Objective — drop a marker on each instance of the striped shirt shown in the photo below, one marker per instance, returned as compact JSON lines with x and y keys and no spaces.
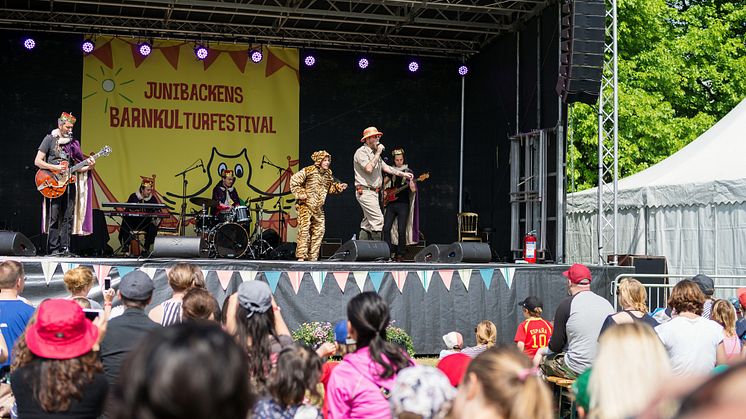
{"x":171,"y":312}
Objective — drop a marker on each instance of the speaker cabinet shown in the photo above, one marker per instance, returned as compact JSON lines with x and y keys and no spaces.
{"x":16,"y":244}
{"x":432,"y":253}
{"x":329,"y":247}
{"x":644,"y":264}
{"x":176,"y":247}
{"x":467,"y":252}
{"x":364,"y":251}
{"x":582,"y":41}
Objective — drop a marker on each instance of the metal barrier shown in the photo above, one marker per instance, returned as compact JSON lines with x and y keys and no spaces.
{"x":659,"y":293}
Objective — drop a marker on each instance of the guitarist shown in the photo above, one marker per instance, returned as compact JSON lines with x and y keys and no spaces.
{"x":400,"y":209}
{"x":71,"y":212}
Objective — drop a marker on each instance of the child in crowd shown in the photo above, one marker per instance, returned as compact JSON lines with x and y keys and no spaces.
{"x":486,"y":337}
{"x":724,"y":314}
{"x":297,"y":371}
{"x":454,"y":342}
{"x":421,"y":392}
{"x":534,"y":332}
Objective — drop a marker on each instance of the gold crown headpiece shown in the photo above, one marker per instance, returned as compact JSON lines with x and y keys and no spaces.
{"x":67,"y":117}
{"x":397,"y":152}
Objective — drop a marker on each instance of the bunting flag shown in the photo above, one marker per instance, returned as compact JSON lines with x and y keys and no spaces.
{"x":149,"y":271}
{"x":425,"y":278}
{"x":360,"y":277}
{"x":275,"y":63}
{"x":341,"y":278}
{"x":465,"y":275}
{"x":273,"y":278}
{"x":124,"y":270}
{"x":136,"y":56}
{"x":446,"y":275}
{"x":172,"y":55}
{"x":400,"y":277}
{"x":239,"y":59}
{"x":247,"y":275}
{"x":102,"y":271}
{"x":295,"y":277}
{"x":318,"y":278}
{"x":48,"y":267}
{"x":376,"y":278}
{"x":211,"y":57}
{"x":486,"y":275}
{"x":66,"y":266}
{"x":103,"y":54}
{"x":224,"y":277}
{"x":508,"y":275}
{"x":205,"y":272}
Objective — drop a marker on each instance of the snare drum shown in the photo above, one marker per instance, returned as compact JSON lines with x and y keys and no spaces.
{"x":241,"y":214}
{"x":229,"y":240}
{"x":225,"y":216}
{"x":203,"y":223}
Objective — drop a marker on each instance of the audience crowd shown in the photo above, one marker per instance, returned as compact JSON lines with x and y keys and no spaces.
{"x":189,"y":357}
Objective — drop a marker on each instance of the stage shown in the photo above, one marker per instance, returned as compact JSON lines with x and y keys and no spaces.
{"x":428,"y":300}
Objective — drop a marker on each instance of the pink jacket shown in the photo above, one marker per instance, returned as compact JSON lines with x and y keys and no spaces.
{"x":354,"y":389}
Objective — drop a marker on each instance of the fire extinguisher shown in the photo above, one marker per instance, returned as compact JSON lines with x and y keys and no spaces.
{"x":529,"y":247}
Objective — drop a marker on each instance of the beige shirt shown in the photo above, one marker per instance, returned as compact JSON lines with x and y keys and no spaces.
{"x":363,"y":156}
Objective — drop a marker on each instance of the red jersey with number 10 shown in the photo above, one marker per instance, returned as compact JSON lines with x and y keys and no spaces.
{"x":534,"y":333}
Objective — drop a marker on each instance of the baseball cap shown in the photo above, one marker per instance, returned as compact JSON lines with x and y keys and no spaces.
{"x":340,"y":332}
{"x":578,"y":274}
{"x":454,"y":367}
{"x":61,"y":331}
{"x":741,"y":293}
{"x":136,"y":285}
{"x":531,"y":303}
{"x":255,"y":297}
{"x":706,"y":284}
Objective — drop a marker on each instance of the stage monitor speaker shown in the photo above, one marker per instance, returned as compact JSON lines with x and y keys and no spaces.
{"x":432,"y":253}
{"x":177,"y":247}
{"x":582,"y":40}
{"x":467,"y":252}
{"x":16,"y":244}
{"x":644,"y":264}
{"x":363,"y":251}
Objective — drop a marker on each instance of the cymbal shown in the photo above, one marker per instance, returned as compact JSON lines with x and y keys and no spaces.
{"x":197,"y":200}
{"x":260,"y":199}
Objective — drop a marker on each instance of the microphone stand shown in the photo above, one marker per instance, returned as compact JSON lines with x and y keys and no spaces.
{"x":182,"y":215}
{"x":279,"y":203}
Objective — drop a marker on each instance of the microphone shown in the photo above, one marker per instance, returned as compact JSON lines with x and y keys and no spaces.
{"x":386,"y":160}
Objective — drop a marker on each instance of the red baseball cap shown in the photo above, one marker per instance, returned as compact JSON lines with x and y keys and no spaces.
{"x":61,"y":331}
{"x":454,"y":367}
{"x":578,"y":274}
{"x":741,"y":293}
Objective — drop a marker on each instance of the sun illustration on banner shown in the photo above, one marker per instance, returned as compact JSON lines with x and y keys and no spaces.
{"x":109,"y":86}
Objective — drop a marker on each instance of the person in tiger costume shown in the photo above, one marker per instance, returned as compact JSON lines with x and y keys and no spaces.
{"x":310,"y":187}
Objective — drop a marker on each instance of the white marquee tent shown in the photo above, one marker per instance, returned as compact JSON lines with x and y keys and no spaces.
{"x":690,"y":207}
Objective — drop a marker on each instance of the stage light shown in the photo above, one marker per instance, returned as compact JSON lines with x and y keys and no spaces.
{"x":29,"y":43}
{"x":87,"y":46}
{"x":463,"y":70}
{"x":414,"y":66}
{"x":256,"y":56}
{"x":201,"y":52}
{"x":309,"y":61}
{"x":145,"y":49}
{"x":363,"y":63}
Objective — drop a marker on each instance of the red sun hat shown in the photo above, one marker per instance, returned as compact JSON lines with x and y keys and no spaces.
{"x":369,"y":132}
{"x":578,"y":274}
{"x":454,"y":367}
{"x":61,"y":331}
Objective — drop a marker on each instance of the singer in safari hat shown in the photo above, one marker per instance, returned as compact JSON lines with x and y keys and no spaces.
{"x":369,"y":180}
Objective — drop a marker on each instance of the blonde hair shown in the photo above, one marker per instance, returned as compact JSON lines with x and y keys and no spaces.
{"x":510,"y":385}
{"x":724,"y":314}
{"x":630,"y":354}
{"x":486,"y":333}
{"x":632,"y":295}
{"x":10,"y":272}
{"x":185,"y":275}
{"x":77,"y":280}
{"x":82,"y":302}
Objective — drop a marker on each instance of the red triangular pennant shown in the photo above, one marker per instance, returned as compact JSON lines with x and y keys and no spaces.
{"x":274,"y":63}
{"x":103,"y":53}
{"x":239,"y":58}
{"x":172,"y":55}
{"x":295,"y":277}
{"x":211,"y":57}
{"x":136,"y":56}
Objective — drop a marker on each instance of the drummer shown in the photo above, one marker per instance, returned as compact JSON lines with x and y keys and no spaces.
{"x":224,"y":194}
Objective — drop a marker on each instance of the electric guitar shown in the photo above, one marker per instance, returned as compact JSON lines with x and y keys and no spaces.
{"x":52,"y":184}
{"x":389,"y":194}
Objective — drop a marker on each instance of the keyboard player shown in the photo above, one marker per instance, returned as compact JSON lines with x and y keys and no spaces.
{"x":149,"y":225}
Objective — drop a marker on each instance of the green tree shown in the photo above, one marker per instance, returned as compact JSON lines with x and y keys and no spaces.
{"x":682,"y":67}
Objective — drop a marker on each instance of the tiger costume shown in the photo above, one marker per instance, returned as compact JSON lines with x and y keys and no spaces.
{"x":310,"y":187}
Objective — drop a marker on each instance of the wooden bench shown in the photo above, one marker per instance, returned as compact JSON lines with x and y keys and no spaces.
{"x":565,"y":396}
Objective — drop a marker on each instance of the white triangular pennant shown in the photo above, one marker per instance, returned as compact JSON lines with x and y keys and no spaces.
{"x":508,"y":275}
{"x":318,"y":279}
{"x":360,"y":277}
{"x":48,"y":267}
{"x":424,"y":277}
{"x":149,"y":271}
{"x":465,"y":275}
{"x":247,"y":275}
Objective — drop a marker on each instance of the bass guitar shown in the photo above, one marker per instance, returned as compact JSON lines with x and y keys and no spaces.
{"x":389,"y":194}
{"x":52,"y":184}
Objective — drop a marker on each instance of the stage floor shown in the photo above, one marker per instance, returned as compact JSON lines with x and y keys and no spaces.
{"x":426,"y":299}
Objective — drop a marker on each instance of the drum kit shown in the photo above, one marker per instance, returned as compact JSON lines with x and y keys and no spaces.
{"x":227,"y":234}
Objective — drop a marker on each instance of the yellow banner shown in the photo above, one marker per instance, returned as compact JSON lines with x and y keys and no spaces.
{"x":168,"y":112}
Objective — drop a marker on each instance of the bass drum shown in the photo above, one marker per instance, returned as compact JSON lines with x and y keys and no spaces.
{"x":229,"y":240}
